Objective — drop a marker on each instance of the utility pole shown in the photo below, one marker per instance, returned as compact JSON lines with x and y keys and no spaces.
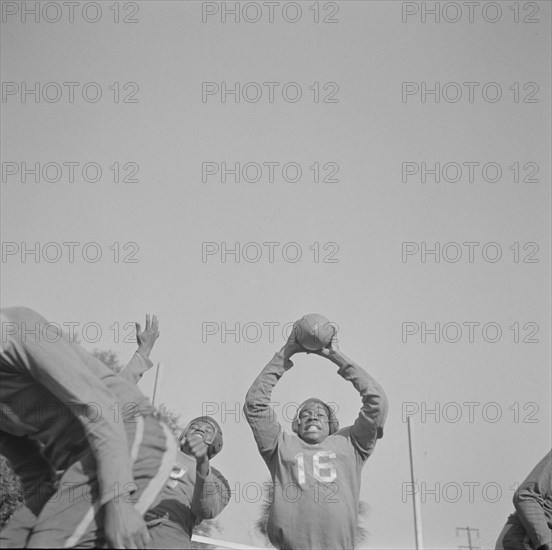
{"x":469,"y":530}
{"x":415,"y":492}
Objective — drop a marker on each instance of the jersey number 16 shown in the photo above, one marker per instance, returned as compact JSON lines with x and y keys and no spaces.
{"x":322,"y":466}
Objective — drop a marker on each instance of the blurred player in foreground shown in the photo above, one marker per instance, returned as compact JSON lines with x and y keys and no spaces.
{"x":64,"y":410}
{"x":321,"y":463}
{"x":38,"y":490}
{"x":194,"y":491}
{"x":530,"y":526}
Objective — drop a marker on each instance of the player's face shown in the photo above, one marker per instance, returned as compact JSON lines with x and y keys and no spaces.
{"x":202,"y":428}
{"x":314,"y":425}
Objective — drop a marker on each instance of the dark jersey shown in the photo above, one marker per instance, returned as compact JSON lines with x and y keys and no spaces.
{"x":533,"y":503}
{"x":187,"y":498}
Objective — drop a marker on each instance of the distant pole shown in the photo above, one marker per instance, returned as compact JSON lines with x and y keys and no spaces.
{"x":415,"y":493}
{"x":469,"y":530}
{"x":157,"y":377}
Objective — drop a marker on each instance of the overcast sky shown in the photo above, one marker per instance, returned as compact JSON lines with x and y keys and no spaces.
{"x":334,"y":209}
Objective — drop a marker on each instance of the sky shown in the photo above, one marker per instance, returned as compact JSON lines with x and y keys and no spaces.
{"x":345,"y":111}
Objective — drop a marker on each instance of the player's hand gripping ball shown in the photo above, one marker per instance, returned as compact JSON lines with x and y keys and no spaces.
{"x":314,"y":332}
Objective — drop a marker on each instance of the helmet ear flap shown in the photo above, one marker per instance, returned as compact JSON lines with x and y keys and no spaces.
{"x":216,"y":446}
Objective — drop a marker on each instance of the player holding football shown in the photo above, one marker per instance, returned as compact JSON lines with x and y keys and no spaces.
{"x":530,"y":526}
{"x":320,"y":462}
{"x":66,"y":411}
{"x":195,"y":490}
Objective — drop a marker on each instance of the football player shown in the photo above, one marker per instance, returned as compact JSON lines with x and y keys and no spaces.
{"x":316,"y":471}
{"x":195,"y":490}
{"x":64,"y":410}
{"x":40,"y":483}
{"x":530,"y":526}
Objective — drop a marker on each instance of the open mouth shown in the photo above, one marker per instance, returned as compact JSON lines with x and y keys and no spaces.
{"x":313,"y":427}
{"x":207,"y":437}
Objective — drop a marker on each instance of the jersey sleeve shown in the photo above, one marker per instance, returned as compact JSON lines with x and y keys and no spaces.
{"x":368,"y":427}
{"x":35,"y":473}
{"x":257,"y":408}
{"x":61,"y":367}
{"x":531,"y":500}
{"x":136,"y":368}
{"x":211,"y":495}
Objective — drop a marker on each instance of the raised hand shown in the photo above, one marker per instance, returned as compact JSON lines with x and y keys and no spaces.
{"x":331,"y":350}
{"x":146,"y":338}
{"x":292,"y":346}
{"x":195,"y":446}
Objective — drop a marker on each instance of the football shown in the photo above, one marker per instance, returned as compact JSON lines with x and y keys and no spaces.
{"x":314,"y":331}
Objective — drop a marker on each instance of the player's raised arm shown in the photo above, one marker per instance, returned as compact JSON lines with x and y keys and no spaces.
{"x":530,"y":500}
{"x":211,"y":500}
{"x":368,"y":426}
{"x":257,"y":408}
{"x":140,"y":362}
{"x":211,"y":491}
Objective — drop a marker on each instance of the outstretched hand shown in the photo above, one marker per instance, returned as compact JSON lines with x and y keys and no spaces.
{"x":331,"y":351}
{"x":292,"y":346}
{"x":146,"y":338}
